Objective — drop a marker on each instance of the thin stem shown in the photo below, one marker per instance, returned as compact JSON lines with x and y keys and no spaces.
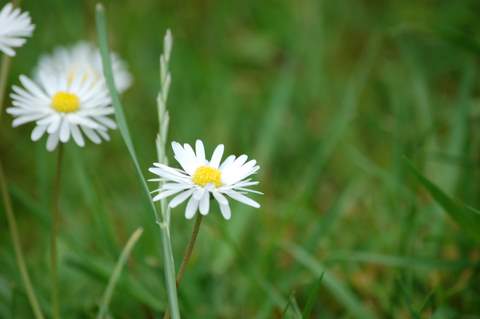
{"x":11,"y":220}
{"x":54,"y":234}
{"x":188,"y":254}
{"x":122,"y":260}
{"x":189,"y":250}
{"x":12,"y":225}
{"x":4,"y":68}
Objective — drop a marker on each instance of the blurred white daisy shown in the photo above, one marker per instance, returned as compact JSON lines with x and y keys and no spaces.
{"x":64,"y":107}
{"x":83,"y":58}
{"x":15,"y":26}
{"x":200,"y":178}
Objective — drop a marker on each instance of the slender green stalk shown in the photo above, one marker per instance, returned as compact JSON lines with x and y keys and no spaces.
{"x":122,"y":260}
{"x":4,"y":68}
{"x":189,"y":250}
{"x":12,"y":224}
{"x":169,"y":266}
{"x":54,"y":234}
{"x":11,"y":220}
{"x":161,"y":141}
{"x":188,"y":254}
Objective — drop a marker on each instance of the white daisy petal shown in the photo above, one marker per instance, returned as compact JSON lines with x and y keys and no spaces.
{"x":198,"y":194}
{"x":222,"y":200}
{"x":227,"y":162}
{"x":200,"y":152}
{"x":77,"y":135}
{"x":52,"y":141}
{"x":242,"y":198}
{"x":91,"y":135}
{"x":226,"y":212}
{"x":224,"y":205}
{"x":177,"y":200}
{"x":83,"y":60}
{"x":14,"y":27}
{"x":38,"y":132}
{"x":205,"y":203}
{"x":186,"y":160}
{"x":217,"y":156}
{"x":165,"y":194}
{"x":191,"y":208}
{"x":64,"y":131}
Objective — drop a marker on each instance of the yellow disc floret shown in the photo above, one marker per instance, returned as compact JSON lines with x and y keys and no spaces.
{"x":65,"y":102}
{"x":205,"y":175}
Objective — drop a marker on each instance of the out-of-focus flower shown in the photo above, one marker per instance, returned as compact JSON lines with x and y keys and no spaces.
{"x":83,"y":58}
{"x":15,"y":26}
{"x":200,"y":178}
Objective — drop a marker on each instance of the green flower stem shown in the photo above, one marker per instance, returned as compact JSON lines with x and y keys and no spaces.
{"x":12,"y":225}
{"x":190,"y":246}
{"x":54,"y":234}
{"x":188,"y":254}
{"x":4,"y":68}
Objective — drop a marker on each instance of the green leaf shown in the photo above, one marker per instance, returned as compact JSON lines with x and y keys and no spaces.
{"x":467,"y":217}
{"x":312,"y":295}
{"x":346,"y":297}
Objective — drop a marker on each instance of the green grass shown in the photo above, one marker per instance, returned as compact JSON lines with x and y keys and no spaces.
{"x":331,"y":97}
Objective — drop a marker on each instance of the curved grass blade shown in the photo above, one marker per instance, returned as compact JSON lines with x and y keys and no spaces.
{"x":20,"y":259}
{"x":344,"y":295}
{"x":467,"y":217}
{"x":107,"y":296}
{"x":313,"y":293}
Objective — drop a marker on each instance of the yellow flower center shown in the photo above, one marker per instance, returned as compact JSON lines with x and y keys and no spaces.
{"x":65,"y":102}
{"x":205,"y":175}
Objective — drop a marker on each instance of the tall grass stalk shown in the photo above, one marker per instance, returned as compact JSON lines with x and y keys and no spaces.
{"x":122,"y":260}
{"x":54,"y":234}
{"x":187,"y":255}
{"x":162,"y":220}
{"x":161,"y":143}
{"x":4,"y":68}
{"x":22,"y":267}
{"x":7,"y":203}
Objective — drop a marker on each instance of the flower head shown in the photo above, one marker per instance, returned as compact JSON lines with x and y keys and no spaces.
{"x":200,"y":178}
{"x":15,"y":26}
{"x":83,"y":58}
{"x":68,"y":97}
{"x":63,"y":108}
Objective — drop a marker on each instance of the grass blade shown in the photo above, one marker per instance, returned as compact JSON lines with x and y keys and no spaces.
{"x":307,"y":310}
{"x":344,"y":296}
{"x":169,"y":267}
{"x":99,"y":271}
{"x":22,"y":267}
{"x":122,"y":260}
{"x":467,"y":217}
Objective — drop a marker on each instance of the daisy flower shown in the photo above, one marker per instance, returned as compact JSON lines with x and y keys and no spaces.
{"x":64,"y":107}
{"x":15,"y":26}
{"x":84,"y":58}
{"x":200,"y":178}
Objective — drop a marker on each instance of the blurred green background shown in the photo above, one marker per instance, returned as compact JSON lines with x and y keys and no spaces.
{"x":329,"y":97}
